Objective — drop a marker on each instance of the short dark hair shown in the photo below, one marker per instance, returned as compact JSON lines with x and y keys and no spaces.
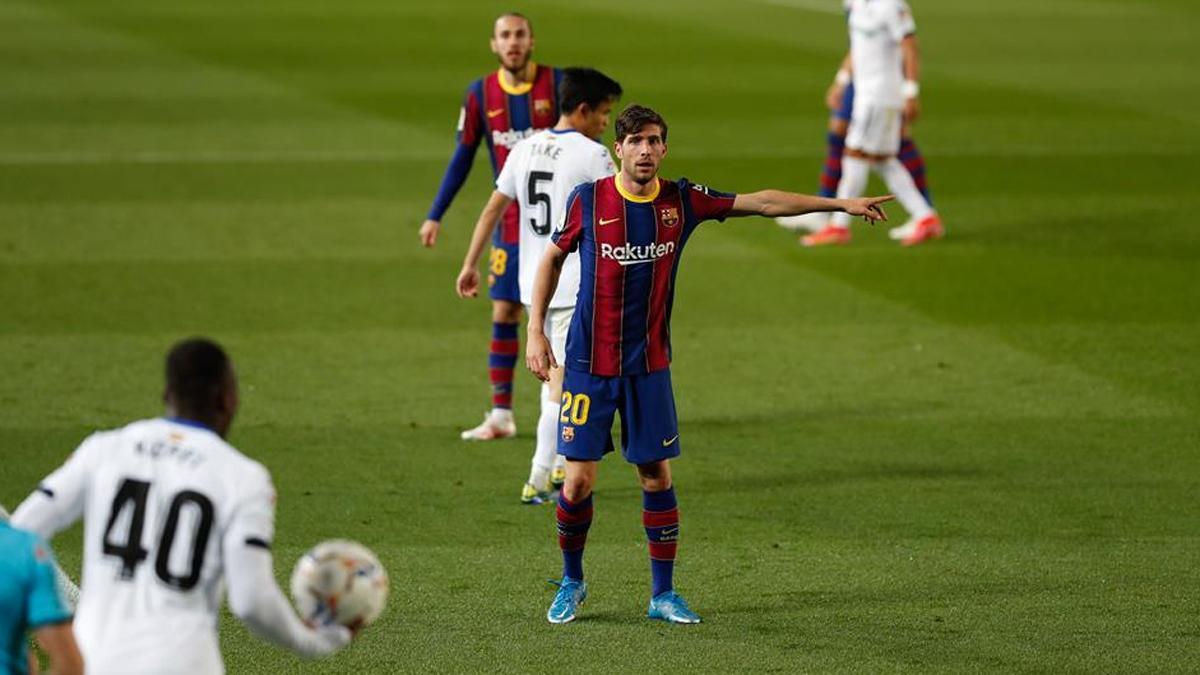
{"x":515,"y":15}
{"x":634,"y":117}
{"x":585,"y":85}
{"x":196,"y":372}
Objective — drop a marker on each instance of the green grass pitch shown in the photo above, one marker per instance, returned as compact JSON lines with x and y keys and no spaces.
{"x":978,"y":455}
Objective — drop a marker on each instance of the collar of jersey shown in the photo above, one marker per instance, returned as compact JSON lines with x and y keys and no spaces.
{"x":559,"y":132}
{"x":187,"y":423}
{"x":635,"y":198}
{"x":520,"y":89}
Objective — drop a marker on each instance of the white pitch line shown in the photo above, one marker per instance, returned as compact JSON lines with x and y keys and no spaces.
{"x":211,"y":157}
{"x":156,"y":157}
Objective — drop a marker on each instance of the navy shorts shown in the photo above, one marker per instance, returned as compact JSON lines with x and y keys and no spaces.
{"x":649,"y":426}
{"x":503,"y":275}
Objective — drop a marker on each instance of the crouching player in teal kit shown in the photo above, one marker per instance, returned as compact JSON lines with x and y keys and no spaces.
{"x":629,"y":230}
{"x":30,"y":601}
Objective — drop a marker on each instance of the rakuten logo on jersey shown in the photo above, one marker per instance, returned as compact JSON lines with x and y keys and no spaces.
{"x":511,"y":137}
{"x":636,"y":255}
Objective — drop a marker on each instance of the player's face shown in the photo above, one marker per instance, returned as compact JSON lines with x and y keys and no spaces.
{"x":596,"y":119}
{"x":641,"y":153}
{"x":512,"y":42}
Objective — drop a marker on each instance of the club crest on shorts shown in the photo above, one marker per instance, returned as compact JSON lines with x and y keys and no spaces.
{"x":568,"y":434}
{"x":668,"y":216}
{"x":541,"y":106}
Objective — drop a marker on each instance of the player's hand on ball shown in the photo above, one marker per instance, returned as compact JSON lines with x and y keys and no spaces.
{"x":335,"y":637}
{"x":429,"y":233}
{"x":539,"y":358}
{"x":468,"y":283}
{"x":868,"y":207}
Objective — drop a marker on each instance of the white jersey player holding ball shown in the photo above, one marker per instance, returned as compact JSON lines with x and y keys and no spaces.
{"x":171,"y":515}
{"x":884,"y":65}
{"x":540,"y":174}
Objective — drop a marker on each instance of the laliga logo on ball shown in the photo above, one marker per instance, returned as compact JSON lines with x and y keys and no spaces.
{"x":339,"y":581}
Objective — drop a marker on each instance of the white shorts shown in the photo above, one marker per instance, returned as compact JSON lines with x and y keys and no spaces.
{"x":558,"y":323}
{"x":875,"y":129}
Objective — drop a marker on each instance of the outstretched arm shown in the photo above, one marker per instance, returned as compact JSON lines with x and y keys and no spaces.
{"x":255,"y":598}
{"x":538,"y":355}
{"x":774,"y":203}
{"x":468,"y":279}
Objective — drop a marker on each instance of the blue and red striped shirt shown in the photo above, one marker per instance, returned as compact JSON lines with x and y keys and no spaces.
{"x":629,"y":249}
{"x":500,"y":115}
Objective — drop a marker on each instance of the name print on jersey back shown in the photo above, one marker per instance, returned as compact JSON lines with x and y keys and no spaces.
{"x":540,"y":174}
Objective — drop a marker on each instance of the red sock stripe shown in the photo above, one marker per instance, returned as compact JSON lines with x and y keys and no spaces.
{"x":501,"y":375}
{"x":505,"y":347}
{"x":663,"y":550}
{"x":660,"y":518}
{"x":573,"y":543}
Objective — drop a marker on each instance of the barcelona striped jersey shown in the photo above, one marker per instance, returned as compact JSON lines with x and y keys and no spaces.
{"x":629,"y":249}
{"x":500,"y":115}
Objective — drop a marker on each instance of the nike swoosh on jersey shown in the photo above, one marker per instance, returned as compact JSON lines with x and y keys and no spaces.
{"x":610,"y":220}
{"x":493,"y":113}
{"x":667,"y":442}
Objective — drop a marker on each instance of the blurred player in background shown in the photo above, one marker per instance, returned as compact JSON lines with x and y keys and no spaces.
{"x":30,"y":600}
{"x":539,"y":175}
{"x":840,"y":100}
{"x":501,"y":109}
{"x":884,"y":65}
{"x":629,"y":231}
{"x":171,"y":514}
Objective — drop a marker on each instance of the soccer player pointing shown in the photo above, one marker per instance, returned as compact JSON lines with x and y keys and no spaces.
{"x":629,"y":230}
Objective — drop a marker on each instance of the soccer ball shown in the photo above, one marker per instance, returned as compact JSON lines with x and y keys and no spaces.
{"x":339,"y":581}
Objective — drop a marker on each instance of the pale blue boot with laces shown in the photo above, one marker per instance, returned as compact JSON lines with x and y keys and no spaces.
{"x":670,"y":606}
{"x":571,"y":594}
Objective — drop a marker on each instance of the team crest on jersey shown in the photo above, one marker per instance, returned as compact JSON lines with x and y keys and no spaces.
{"x":668,"y":216}
{"x":568,"y":434}
{"x":541,"y":106}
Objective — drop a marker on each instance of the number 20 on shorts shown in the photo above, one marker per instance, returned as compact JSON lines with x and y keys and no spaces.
{"x":499,"y":261}
{"x":575,"y":408}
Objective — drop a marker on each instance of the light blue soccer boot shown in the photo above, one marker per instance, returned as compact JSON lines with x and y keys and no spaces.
{"x":670,"y":606}
{"x":571,"y":594}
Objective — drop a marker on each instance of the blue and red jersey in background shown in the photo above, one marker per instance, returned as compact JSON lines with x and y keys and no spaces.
{"x":500,"y":115}
{"x":629,"y":250}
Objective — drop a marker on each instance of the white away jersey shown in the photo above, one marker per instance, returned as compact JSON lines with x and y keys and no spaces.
{"x":162,"y":501}
{"x":876,"y":29}
{"x":540,"y":174}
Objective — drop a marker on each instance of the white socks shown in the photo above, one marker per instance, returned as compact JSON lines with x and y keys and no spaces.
{"x":900,"y":183}
{"x":856,"y":171}
{"x":547,"y":443}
